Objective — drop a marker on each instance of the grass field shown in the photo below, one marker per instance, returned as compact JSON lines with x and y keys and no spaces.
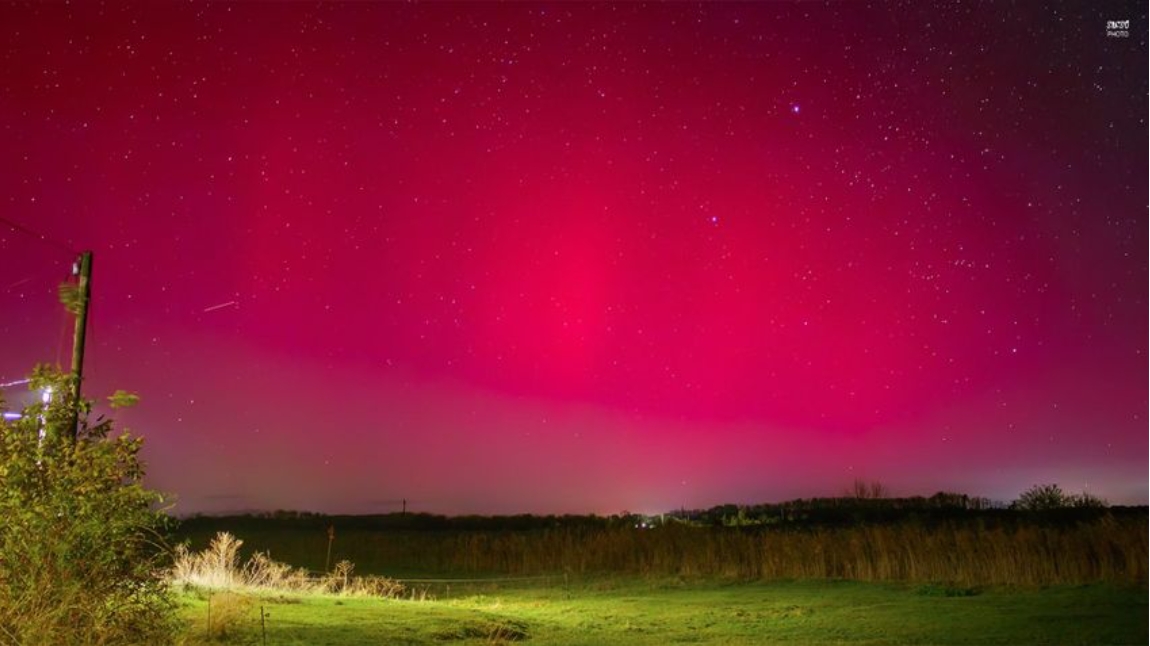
{"x":634,"y":611}
{"x":1013,"y":579}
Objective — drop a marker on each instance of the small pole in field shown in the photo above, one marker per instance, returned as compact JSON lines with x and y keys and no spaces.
{"x":263,"y":626}
{"x":330,"y":540}
{"x":209,"y":615}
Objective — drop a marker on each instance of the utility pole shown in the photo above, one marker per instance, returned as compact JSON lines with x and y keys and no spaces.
{"x":82,"y":269}
{"x":330,"y":540}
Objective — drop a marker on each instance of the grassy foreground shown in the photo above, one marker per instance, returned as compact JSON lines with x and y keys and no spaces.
{"x":633,"y":611}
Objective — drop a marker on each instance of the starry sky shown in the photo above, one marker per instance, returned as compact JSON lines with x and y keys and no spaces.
{"x":588,"y":257}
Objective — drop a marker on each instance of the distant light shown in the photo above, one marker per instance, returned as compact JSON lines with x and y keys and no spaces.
{"x":12,"y":415}
{"x":795,"y":109}
{"x":47,"y":396}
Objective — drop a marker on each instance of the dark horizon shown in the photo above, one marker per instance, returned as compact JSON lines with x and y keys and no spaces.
{"x":272,"y":514}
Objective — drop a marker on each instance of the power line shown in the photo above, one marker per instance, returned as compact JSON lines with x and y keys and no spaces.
{"x":38,"y":236}
{"x":33,"y":275}
{"x":80,"y":268}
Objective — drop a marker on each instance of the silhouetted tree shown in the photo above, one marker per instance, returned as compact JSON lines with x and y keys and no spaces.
{"x":1042,"y":498}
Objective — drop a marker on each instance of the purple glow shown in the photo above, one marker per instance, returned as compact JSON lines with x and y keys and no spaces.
{"x":495,"y":259}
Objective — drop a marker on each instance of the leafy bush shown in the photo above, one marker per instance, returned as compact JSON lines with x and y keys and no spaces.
{"x":78,"y":542}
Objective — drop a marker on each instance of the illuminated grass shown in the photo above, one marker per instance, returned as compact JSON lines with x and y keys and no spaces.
{"x":219,"y":568}
{"x":630,"y":611}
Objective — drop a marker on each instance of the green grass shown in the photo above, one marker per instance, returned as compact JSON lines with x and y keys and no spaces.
{"x":634,"y":611}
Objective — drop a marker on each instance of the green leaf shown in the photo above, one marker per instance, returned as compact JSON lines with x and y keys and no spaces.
{"x":123,"y":399}
{"x":71,"y":298}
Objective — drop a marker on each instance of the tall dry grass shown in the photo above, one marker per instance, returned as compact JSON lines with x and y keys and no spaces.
{"x":1104,"y":550}
{"x":1022,"y":551}
{"x":219,"y":567}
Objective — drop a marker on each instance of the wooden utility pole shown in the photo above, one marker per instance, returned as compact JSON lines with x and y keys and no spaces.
{"x":82,"y":269}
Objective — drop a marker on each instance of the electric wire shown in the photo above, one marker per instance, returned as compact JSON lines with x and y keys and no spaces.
{"x":38,"y":236}
{"x":33,"y":278}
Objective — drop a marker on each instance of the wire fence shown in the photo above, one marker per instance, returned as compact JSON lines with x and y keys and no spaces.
{"x":500,"y":579}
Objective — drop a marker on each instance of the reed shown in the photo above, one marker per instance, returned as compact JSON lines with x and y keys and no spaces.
{"x":971,"y":552}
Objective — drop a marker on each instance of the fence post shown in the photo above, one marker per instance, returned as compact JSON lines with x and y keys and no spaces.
{"x":330,"y":540}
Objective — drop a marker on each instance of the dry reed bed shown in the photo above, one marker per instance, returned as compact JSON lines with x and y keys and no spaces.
{"x":1105,"y":549}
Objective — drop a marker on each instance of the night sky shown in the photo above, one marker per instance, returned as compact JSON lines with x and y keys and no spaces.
{"x":589,"y":258}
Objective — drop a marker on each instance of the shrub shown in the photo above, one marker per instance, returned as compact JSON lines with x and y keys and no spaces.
{"x":1042,"y":498}
{"x":78,"y":542}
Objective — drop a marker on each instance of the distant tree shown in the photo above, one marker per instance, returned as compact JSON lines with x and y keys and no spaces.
{"x":740,"y":518}
{"x":78,"y":549}
{"x":945,"y":499}
{"x":1086,"y":501}
{"x":863,"y":490}
{"x":1042,"y":498}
